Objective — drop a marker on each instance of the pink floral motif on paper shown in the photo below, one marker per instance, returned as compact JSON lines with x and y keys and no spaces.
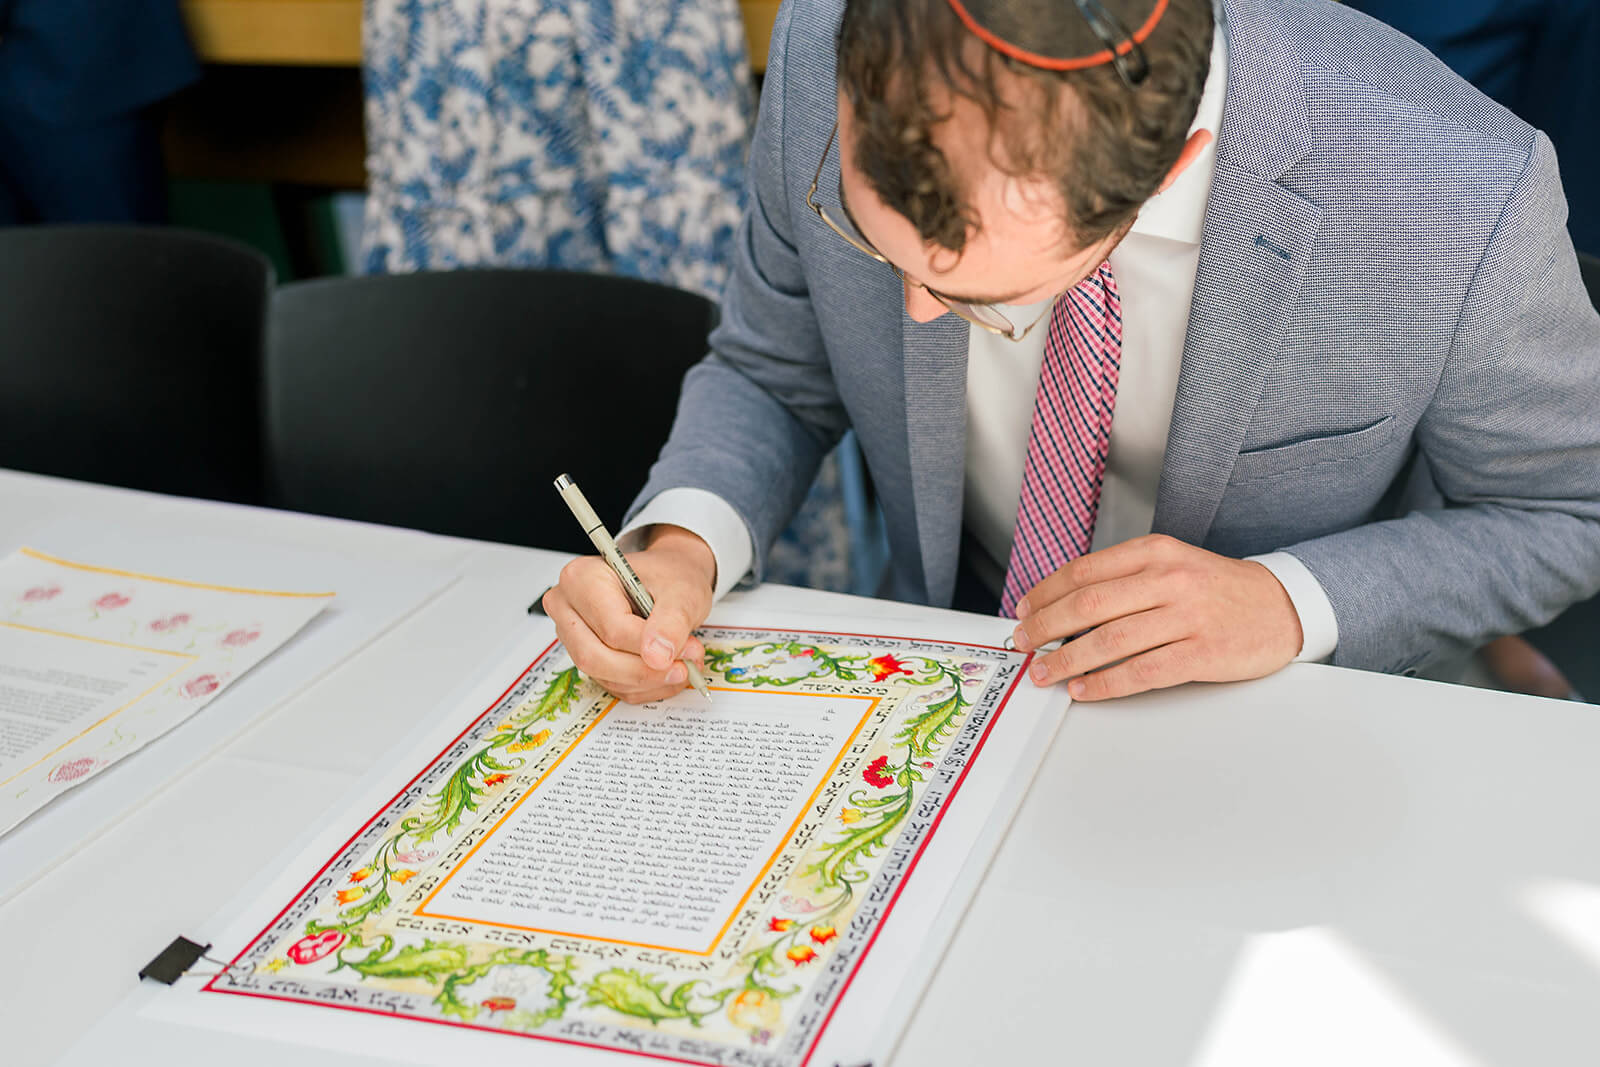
{"x":73,"y":769}
{"x":171,"y":622}
{"x":240,"y":638}
{"x":41,"y":592}
{"x":112,"y":601}
{"x":313,"y":947}
{"x":201,"y":685}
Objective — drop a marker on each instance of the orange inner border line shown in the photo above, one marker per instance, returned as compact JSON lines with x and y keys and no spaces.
{"x":872,"y":706}
{"x":32,"y":553}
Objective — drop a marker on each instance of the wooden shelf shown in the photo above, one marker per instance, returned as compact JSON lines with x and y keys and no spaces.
{"x":327,"y":33}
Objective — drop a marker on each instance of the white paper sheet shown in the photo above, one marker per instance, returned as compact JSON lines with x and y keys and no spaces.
{"x":827,"y":998}
{"x":97,"y":662}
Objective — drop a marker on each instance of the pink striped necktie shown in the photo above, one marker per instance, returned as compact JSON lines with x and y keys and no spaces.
{"x":1070,"y":437}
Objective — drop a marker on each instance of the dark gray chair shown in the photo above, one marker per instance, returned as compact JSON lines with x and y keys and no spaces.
{"x":131,"y":356}
{"x":450,"y":401}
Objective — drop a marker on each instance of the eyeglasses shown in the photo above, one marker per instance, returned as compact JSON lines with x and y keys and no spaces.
{"x":984,"y":316}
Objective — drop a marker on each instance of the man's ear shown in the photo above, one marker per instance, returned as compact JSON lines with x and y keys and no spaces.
{"x":1191,"y":151}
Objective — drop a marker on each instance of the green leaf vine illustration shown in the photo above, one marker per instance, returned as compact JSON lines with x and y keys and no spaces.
{"x":643,"y":996}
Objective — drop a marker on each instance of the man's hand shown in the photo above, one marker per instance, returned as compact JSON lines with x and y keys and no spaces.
{"x":1168,"y":611}
{"x":636,"y":659}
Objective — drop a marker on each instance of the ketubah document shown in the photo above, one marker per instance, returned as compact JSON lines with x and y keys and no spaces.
{"x":757,"y":881}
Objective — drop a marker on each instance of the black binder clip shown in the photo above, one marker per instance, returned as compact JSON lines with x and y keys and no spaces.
{"x":175,"y":960}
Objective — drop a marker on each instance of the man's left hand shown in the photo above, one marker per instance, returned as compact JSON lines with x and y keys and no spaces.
{"x":1164,"y":612}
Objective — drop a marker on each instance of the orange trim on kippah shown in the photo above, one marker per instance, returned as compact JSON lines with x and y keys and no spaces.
{"x":1033,"y":59}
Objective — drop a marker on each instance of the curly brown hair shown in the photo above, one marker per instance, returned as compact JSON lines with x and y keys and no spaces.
{"x":1106,"y":145}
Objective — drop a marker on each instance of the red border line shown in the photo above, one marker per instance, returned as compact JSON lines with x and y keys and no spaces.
{"x":860,"y":959}
{"x":364,"y":826}
{"x":937,"y":819}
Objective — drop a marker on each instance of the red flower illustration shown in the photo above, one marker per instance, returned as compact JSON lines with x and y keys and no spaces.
{"x":801,"y":954}
{"x":495,"y":779}
{"x":41,"y":592}
{"x":823,"y":934}
{"x":779,"y":925}
{"x":240,"y":638}
{"x":809,"y":652}
{"x":885,"y":665}
{"x":201,"y":685}
{"x":313,"y":947}
{"x":875,"y":776}
{"x":72,"y":770}
{"x":494,"y":1004}
{"x":112,"y":601}
{"x":171,"y":622}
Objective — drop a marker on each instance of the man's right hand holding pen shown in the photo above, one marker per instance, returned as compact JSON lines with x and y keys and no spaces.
{"x":637,"y":659}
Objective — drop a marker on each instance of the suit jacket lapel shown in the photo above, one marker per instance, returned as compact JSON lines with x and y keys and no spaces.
{"x":1256,"y":244}
{"x":936,"y":432}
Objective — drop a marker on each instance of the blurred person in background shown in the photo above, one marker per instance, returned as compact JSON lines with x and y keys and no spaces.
{"x":1541,"y":59}
{"x":81,"y":88}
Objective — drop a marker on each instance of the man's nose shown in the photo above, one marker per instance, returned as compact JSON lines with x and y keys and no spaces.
{"x":922,"y":305}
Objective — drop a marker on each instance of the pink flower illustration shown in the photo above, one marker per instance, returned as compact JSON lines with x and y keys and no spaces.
{"x":41,"y":592}
{"x":171,"y":622}
{"x":201,"y":685}
{"x":313,"y":947}
{"x":240,"y":638}
{"x":112,"y":601}
{"x":72,"y":770}
{"x":416,"y":855}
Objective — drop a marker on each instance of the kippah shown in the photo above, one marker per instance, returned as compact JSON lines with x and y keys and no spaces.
{"x":1033,"y":32}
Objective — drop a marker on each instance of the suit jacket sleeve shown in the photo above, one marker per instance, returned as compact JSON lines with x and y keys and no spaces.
{"x":758,"y":414}
{"x":1513,"y":439}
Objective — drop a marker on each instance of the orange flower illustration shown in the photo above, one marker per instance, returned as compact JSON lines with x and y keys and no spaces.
{"x":779,"y":925}
{"x":494,"y":1004}
{"x":505,"y":727}
{"x":361,"y":874}
{"x":885,"y":665}
{"x":823,"y":934}
{"x":347,"y":895}
{"x":801,"y":954}
{"x":495,"y":779}
{"x":850,"y":815}
{"x":403,"y":876}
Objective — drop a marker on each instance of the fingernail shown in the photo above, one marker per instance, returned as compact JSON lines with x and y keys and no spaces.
{"x":1076,"y":688}
{"x":1019,"y":638}
{"x":658,"y":652}
{"x":677,"y":675}
{"x":1023,"y":608}
{"x":1040,"y":672}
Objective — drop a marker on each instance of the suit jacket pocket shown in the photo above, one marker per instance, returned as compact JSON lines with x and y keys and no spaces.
{"x":1275,"y":461}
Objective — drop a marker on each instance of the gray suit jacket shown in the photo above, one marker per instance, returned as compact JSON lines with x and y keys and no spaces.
{"x":1384,"y":275}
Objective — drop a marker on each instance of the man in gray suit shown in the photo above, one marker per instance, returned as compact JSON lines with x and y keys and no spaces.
{"x":1302,"y":264}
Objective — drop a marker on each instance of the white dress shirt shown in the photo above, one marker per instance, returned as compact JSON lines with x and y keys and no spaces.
{"x":1155,"y":272}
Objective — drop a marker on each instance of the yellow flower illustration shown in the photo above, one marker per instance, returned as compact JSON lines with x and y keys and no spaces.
{"x":755,"y":1009}
{"x":403,"y":876}
{"x":347,"y":895}
{"x":850,"y":815}
{"x":274,"y":966}
{"x":533,"y":742}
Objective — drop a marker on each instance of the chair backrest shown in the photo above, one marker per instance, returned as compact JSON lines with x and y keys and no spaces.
{"x":132,"y":356}
{"x":450,"y":401}
{"x":1589,"y":267}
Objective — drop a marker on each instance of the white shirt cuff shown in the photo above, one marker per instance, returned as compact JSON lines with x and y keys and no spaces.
{"x":1317,"y":621}
{"x":707,"y":516}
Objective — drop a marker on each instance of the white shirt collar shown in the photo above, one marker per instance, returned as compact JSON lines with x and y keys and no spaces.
{"x":1179,"y":213}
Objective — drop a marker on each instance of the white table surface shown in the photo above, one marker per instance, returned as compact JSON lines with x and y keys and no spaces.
{"x":1322,"y":867}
